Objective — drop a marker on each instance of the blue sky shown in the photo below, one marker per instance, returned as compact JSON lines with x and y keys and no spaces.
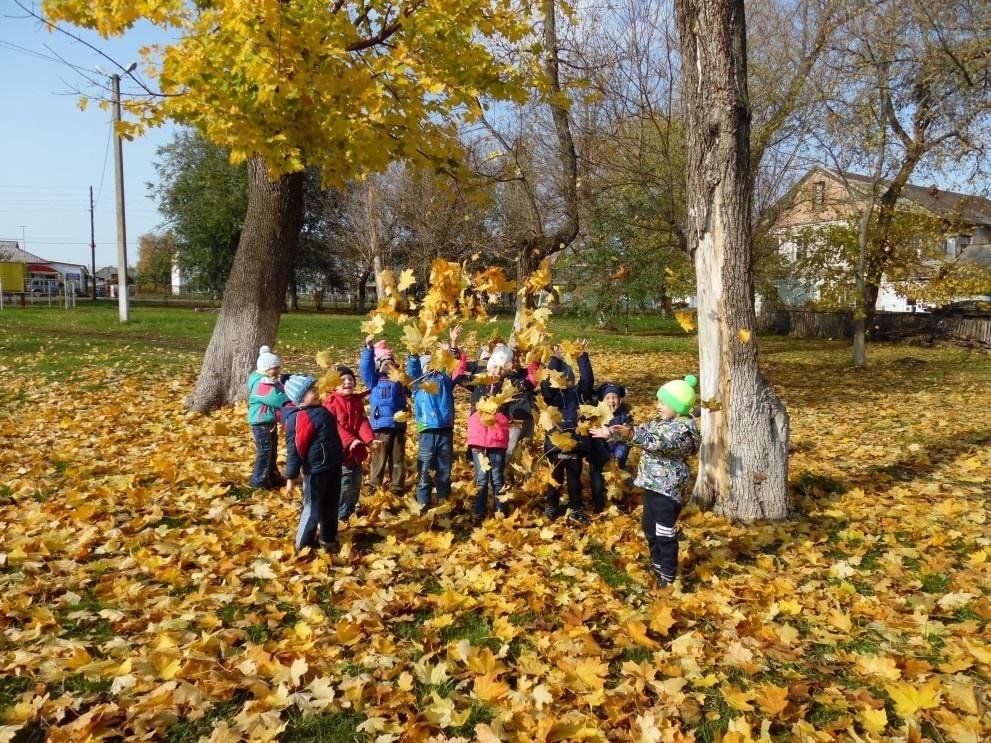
{"x":51,"y":152}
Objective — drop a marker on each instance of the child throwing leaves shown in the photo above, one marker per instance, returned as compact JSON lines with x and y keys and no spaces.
{"x":348,"y":408}
{"x":488,"y":434}
{"x":604,"y":451}
{"x":266,"y":396}
{"x":433,"y":406}
{"x":313,"y":447}
{"x":387,"y":398}
{"x":568,"y":463}
{"x":666,"y":443}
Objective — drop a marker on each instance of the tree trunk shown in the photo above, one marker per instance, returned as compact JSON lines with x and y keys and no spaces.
{"x":526,"y":263}
{"x":293,"y":292}
{"x":256,"y":288}
{"x":743,"y":463}
{"x":362,"y":291}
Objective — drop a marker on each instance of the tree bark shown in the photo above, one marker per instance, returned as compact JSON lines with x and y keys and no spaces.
{"x":256,"y":288}
{"x":293,"y":292}
{"x":743,"y":463}
{"x":362,"y":291}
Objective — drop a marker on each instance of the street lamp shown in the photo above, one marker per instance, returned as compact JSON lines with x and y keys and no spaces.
{"x":123,"y":300}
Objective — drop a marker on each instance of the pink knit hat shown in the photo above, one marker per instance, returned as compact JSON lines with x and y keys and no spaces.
{"x":382,"y":350}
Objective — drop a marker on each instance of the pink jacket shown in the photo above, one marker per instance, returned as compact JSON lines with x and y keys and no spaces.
{"x":488,"y":437}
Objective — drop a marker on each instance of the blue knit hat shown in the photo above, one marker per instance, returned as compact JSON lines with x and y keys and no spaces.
{"x":612,"y":387}
{"x":297,"y":385}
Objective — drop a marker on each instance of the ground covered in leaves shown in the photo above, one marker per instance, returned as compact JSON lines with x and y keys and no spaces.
{"x":147,"y":593}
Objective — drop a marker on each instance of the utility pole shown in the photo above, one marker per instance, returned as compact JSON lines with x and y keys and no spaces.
{"x":92,"y":249}
{"x":123,"y":300}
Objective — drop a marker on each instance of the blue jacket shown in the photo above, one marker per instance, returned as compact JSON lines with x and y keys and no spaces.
{"x":387,"y":397}
{"x":432,"y":409}
{"x":568,"y":401}
{"x":312,"y":442}
{"x":616,"y":448}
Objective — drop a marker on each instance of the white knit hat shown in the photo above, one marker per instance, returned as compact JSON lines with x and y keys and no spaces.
{"x":500,"y":356}
{"x":267,"y":360}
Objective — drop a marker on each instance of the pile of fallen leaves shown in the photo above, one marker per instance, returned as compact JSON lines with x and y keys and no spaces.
{"x":148,"y":593}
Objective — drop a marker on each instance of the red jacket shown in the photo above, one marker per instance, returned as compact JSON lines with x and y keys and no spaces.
{"x":352,"y":424}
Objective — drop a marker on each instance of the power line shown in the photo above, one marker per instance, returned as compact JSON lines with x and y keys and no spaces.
{"x":103,"y":171}
{"x":9,"y":45}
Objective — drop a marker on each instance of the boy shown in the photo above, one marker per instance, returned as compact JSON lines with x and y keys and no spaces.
{"x":602,"y":452}
{"x":266,"y":396}
{"x":356,"y":436}
{"x":568,"y":464}
{"x":433,"y":407}
{"x":313,"y":446}
{"x":667,"y":441}
{"x":387,"y":398}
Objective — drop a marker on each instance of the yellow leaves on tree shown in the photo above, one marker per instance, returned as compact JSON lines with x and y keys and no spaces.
{"x":346,"y":87}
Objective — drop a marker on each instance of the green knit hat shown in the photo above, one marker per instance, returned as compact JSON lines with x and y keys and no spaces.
{"x":679,"y":395}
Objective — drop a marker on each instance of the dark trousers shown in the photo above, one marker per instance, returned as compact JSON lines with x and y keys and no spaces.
{"x":597,"y":483}
{"x":566,"y":470}
{"x":494,"y":475}
{"x":321,"y":499}
{"x":660,"y":516}
{"x":434,"y":456}
{"x":389,"y":459}
{"x":266,"y":472}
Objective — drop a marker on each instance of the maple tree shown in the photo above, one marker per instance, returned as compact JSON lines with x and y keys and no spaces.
{"x":346,"y":87}
{"x":743,"y":463}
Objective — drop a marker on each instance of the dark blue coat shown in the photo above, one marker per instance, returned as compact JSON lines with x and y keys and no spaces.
{"x":312,"y":442}
{"x":567,"y":401}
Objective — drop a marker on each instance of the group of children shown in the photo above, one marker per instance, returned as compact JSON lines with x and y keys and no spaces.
{"x":328,"y":440}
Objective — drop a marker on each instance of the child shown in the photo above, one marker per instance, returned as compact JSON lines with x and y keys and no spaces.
{"x":356,"y":436}
{"x":487,"y":443}
{"x":266,"y":396}
{"x":386,"y":399}
{"x":603,"y":451}
{"x":433,"y":407}
{"x":521,"y":425}
{"x":568,"y":464}
{"x":667,"y":441}
{"x":313,"y":446}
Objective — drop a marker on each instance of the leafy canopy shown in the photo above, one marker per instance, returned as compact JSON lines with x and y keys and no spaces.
{"x":343,"y":86}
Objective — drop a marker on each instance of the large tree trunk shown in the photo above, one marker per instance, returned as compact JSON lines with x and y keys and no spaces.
{"x":743,"y":463}
{"x":256,"y":288}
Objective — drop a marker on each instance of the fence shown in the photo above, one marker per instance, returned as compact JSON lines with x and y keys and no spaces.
{"x":887,"y":325}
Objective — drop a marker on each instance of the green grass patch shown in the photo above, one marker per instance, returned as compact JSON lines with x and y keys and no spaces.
{"x":474,"y":628}
{"x":935,"y":583}
{"x":328,"y":727}
{"x":606,"y":565}
{"x":12,"y":687}
{"x":190,"y":731}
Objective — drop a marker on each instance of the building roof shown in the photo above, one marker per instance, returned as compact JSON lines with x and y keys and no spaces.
{"x":11,"y":251}
{"x":967,"y":208}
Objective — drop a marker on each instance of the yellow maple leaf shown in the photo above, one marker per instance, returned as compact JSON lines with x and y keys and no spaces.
{"x":738,"y":699}
{"x":489,"y":688}
{"x":430,"y":386}
{"x":563,"y":440}
{"x":591,"y":672}
{"x":881,"y":666}
{"x":406,"y":279}
{"x":686,"y":319}
{"x":911,"y":698}
{"x":661,"y":620}
{"x":637,"y":632}
{"x":873,"y":720}
{"x":771,"y":699}
{"x":743,"y":335}
{"x":324,"y":359}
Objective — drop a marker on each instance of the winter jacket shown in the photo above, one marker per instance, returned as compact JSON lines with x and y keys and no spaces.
{"x":265,"y":398}
{"x":312,"y":442}
{"x":666,"y":445}
{"x":480,"y":435}
{"x":620,"y":450}
{"x":525,"y":380}
{"x":386,"y":398}
{"x":352,"y":425}
{"x":567,"y":401}
{"x":433,"y":410}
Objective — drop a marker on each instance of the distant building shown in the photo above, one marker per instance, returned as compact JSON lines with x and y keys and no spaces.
{"x":827,"y":197}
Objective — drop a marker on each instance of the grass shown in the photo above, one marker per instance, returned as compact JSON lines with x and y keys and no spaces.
{"x":329,"y":727}
{"x":56,"y":343}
